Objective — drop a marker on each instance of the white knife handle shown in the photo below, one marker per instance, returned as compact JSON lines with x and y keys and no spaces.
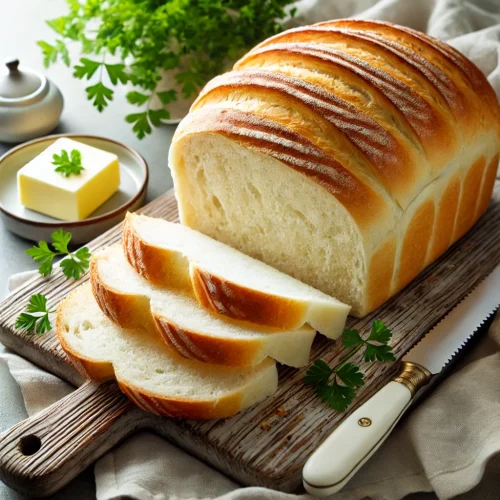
{"x":357,"y":438}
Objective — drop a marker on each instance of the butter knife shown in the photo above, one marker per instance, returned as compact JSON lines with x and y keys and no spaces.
{"x":357,"y":438}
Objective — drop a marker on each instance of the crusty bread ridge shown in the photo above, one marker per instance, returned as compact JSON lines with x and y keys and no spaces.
{"x":225,"y":281}
{"x":154,"y":377}
{"x":348,"y":154}
{"x":132,"y":302}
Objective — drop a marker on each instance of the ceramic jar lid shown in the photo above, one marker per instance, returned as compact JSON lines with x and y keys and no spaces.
{"x":20,"y":86}
{"x":30,"y":104}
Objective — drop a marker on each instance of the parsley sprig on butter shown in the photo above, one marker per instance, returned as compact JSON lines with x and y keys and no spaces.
{"x":68,"y":163}
{"x":36,"y":318}
{"x":74,"y":266}
{"x":337,"y":386}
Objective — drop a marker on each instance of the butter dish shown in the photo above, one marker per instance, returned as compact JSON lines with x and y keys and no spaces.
{"x":36,"y":226}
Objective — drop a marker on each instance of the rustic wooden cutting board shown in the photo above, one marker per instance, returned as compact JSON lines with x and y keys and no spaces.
{"x":266,"y":445}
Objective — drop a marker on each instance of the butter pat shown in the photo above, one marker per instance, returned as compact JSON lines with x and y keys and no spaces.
{"x":43,"y":189}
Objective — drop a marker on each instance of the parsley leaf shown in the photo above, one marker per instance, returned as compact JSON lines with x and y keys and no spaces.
{"x":318,"y":373}
{"x":100,"y":94}
{"x":194,"y":40}
{"x":49,"y":53}
{"x":77,"y":265}
{"x":351,"y":375}
{"x":74,"y":266}
{"x":134,"y":97}
{"x":167,"y":97}
{"x":66,"y":165}
{"x":141,"y":127}
{"x":60,"y":240}
{"x":380,"y":333}
{"x":157,"y":115}
{"x":36,"y":319}
{"x":86,"y":69}
{"x":351,"y":338}
{"x":44,"y":256}
{"x":379,"y":353}
{"x":340,"y":395}
{"x":116,"y":72}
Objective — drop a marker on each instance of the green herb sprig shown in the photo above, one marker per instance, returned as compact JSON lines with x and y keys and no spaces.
{"x":36,"y":318}
{"x":74,"y":266}
{"x":67,"y":165}
{"x":193,"y":40}
{"x":337,"y":386}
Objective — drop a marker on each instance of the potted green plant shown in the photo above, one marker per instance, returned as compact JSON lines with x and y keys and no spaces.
{"x":166,"y":50}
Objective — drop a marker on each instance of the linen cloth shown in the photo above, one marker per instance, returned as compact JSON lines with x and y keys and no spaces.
{"x":449,"y":444}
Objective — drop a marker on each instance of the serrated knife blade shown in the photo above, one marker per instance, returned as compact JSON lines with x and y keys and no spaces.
{"x":355,"y":440}
{"x":436,"y":349}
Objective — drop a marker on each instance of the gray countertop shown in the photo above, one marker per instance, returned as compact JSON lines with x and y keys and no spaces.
{"x":22,"y":23}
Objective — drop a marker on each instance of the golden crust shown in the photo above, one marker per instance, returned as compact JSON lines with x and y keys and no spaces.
{"x":160,"y":265}
{"x":376,"y":149}
{"x":380,"y":272}
{"x":415,"y":244}
{"x":466,"y":216}
{"x":243,"y":304}
{"x":445,"y":219}
{"x":224,"y":407}
{"x":271,"y":139}
{"x":431,"y":104}
{"x":216,"y":351}
{"x":134,"y":311}
{"x":487,"y":186}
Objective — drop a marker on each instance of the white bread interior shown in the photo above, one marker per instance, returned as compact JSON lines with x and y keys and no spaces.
{"x":229,"y":277}
{"x":131,"y":301}
{"x":155,"y":377}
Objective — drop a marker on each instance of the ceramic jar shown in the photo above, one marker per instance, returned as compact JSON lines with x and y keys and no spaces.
{"x":30,"y":104}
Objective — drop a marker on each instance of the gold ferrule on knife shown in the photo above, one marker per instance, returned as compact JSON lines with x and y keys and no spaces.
{"x":413,"y":376}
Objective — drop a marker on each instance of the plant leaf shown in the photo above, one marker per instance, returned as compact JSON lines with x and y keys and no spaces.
{"x":379,"y":353}
{"x":380,"y":333}
{"x":167,"y":97}
{"x":36,"y":319}
{"x":116,"y":73}
{"x":351,"y":338}
{"x":86,"y":69}
{"x":157,"y":115}
{"x":100,"y":94}
{"x":339,"y":397}
{"x":141,"y":127}
{"x":60,"y":240}
{"x":351,"y":375}
{"x":44,"y":256}
{"x":67,"y":166}
{"x":49,"y":53}
{"x":134,"y":97}
{"x":37,"y":303}
{"x":318,"y":373}
{"x":74,"y":268}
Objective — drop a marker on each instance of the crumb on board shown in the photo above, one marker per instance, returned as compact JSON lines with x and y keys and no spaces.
{"x":265,"y":426}
{"x":281,"y":412}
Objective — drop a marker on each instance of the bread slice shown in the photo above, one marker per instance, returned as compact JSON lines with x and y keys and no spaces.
{"x":132,"y":302}
{"x":226,"y":281}
{"x":152,"y":375}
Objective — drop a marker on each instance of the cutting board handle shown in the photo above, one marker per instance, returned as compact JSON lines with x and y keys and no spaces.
{"x":43,"y":453}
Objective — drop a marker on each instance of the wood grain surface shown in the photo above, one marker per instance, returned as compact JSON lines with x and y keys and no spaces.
{"x":265,"y":445}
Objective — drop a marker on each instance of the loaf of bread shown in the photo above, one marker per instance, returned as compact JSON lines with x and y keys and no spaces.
{"x":348,"y":154}
{"x":132,"y":302}
{"x":152,"y":375}
{"x":226,"y":281}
